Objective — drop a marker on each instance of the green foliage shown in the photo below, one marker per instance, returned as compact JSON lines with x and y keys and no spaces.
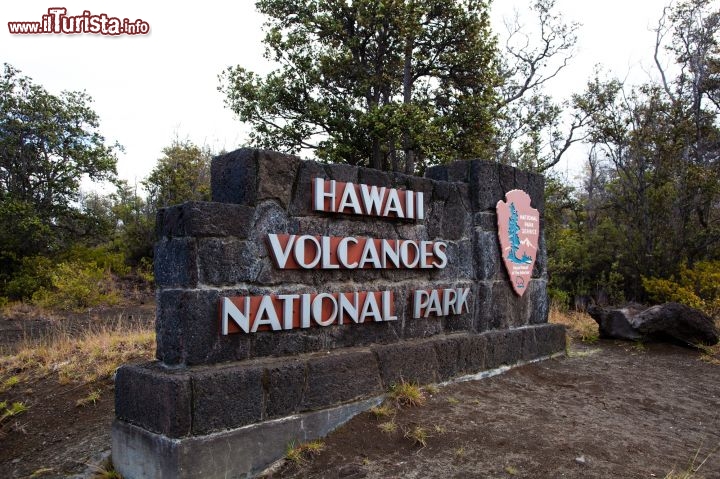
{"x":8,"y":411}
{"x":9,"y":383}
{"x":697,"y":287}
{"x":38,"y":273}
{"x":135,"y":218}
{"x":34,"y":274}
{"x":48,"y":144}
{"x":651,"y":190}
{"x":145,"y":270}
{"x":182,"y":174}
{"x":390,"y":84}
{"x":101,"y":256}
{"x":559,"y":299}
{"x":76,"y":286}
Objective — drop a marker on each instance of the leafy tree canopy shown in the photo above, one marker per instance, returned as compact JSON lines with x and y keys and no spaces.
{"x":389,"y":84}
{"x":181,"y":174}
{"x":48,"y":143}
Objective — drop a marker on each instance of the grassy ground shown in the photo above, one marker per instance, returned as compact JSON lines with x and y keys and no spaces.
{"x":56,"y":385}
{"x":92,"y":355}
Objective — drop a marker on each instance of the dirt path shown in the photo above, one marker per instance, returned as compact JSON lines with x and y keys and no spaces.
{"x":611,"y":410}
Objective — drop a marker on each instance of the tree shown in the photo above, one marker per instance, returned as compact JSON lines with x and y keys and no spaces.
{"x":652,"y":190}
{"x":533,"y":132}
{"x":392,"y":85}
{"x":48,"y":143}
{"x":135,"y":221}
{"x":182,"y":174}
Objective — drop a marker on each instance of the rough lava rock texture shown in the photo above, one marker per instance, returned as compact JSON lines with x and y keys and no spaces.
{"x":245,"y":386}
{"x":672,"y":322}
{"x":615,"y":323}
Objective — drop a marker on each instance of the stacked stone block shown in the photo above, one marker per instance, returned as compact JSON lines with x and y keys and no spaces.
{"x":204,"y":384}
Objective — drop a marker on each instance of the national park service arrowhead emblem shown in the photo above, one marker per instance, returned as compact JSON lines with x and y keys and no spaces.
{"x":519,"y":230}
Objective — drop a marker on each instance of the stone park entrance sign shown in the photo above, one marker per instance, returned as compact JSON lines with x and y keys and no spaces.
{"x":302,"y":292}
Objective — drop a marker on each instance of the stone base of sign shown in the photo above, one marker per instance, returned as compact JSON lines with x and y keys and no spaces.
{"x":241,"y":452}
{"x":232,"y":420}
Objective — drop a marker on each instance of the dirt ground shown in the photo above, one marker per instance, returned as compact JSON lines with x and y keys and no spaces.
{"x":609,"y":410}
{"x":55,"y":437}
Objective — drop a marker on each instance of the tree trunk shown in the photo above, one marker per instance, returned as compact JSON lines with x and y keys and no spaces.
{"x":407,"y":98}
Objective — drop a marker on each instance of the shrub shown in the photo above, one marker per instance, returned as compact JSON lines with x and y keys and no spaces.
{"x":77,"y":286}
{"x":559,"y":299}
{"x":697,"y":287}
{"x":34,"y":274}
{"x":101,"y":256}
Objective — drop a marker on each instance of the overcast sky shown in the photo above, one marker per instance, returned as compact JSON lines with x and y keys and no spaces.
{"x":150,"y":88}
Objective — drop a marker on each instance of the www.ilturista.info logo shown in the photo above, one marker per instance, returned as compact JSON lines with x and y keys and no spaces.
{"x":58,"y":22}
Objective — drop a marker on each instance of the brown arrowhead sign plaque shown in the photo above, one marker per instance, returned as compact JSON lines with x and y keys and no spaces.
{"x":518,"y":229}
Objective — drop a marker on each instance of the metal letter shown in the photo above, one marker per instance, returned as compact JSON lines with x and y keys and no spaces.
{"x":387,"y":303}
{"x":347,"y":307}
{"x":229,"y":310}
{"x":279,"y":255}
{"x":462,"y":294}
{"x":420,"y":205}
{"x":372,"y":198}
{"x":433,"y":304}
{"x":418,"y":304}
{"x":266,"y":314}
{"x":449,"y":301}
{"x":317,"y":309}
{"x":370,"y":308}
{"x":439,"y":249}
{"x":393,"y":204}
{"x":287,"y":314}
{"x":370,"y":255}
{"x":410,"y":203}
{"x":299,"y":251}
{"x":389,"y":251}
{"x":319,"y":194}
{"x":405,"y":254}
{"x":327,"y":254}
{"x":342,"y":252}
{"x":349,"y":198}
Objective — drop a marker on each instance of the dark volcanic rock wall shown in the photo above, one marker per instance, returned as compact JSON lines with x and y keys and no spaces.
{"x":214,"y":249}
{"x":218,"y":395}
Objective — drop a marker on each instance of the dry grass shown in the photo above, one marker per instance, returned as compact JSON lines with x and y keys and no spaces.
{"x":711,"y":354}
{"x":91,"y":398}
{"x":579,"y":325}
{"x":418,"y":435}
{"x":407,"y":394}
{"x":431,"y":389}
{"x":300,"y":454}
{"x":382,"y":411}
{"x":388,"y":427}
{"x":697,"y":462}
{"x":25,"y":310}
{"x":84,"y":358}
